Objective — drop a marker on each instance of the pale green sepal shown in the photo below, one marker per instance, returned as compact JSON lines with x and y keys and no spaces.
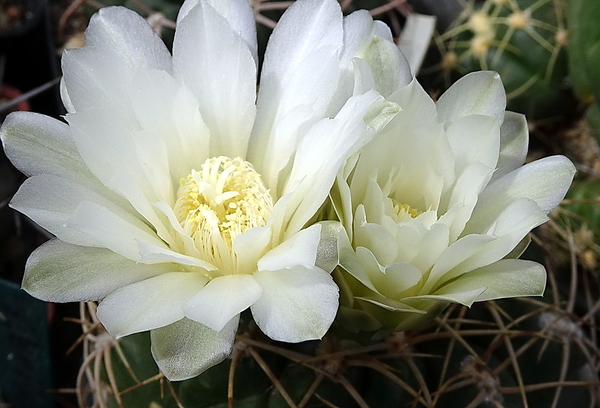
{"x":504,"y":279}
{"x":61,"y":272}
{"x":186,"y":348}
{"x":327,"y":250}
{"x":391,"y":305}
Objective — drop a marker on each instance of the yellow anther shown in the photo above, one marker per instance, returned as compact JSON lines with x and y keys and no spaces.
{"x":219,"y":202}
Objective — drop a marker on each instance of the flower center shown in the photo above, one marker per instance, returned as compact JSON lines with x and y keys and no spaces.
{"x":219,"y":202}
{"x":401,"y":211}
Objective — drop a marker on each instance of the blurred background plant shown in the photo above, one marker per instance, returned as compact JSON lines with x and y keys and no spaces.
{"x":511,"y":353}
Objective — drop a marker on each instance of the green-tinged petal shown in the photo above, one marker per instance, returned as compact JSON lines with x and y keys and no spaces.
{"x":503,"y":279}
{"x":149,"y":304}
{"x":514,"y":140}
{"x":297,"y":304}
{"x":299,"y":249}
{"x":222,"y":299}
{"x":187,"y":348}
{"x":390,"y":68}
{"x":545,"y":181}
{"x":37,"y":144}
{"x":477,"y":93}
{"x":61,"y":272}
{"x":464,"y":297}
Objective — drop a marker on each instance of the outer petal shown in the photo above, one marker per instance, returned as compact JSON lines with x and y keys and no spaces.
{"x":238,"y":13}
{"x":50,"y":201}
{"x":477,"y":93}
{"x":503,"y":279}
{"x":36,"y":144}
{"x":118,"y":43}
{"x":216,"y":64}
{"x":297,"y":304}
{"x":514,"y":140}
{"x":111,"y":230}
{"x":545,"y":181}
{"x":307,"y":39}
{"x":187,"y":348}
{"x":222,"y":299}
{"x":149,"y":304}
{"x":61,"y":272}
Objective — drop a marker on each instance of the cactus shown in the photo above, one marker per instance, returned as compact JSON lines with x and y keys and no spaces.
{"x":510,"y":353}
{"x":523,"y":40}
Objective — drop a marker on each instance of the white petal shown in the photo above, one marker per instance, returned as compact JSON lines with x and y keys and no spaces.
{"x":398,"y":278}
{"x":324,"y":150}
{"x":38,"y":144}
{"x":122,"y":160}
{"x":299,"y":249}
{"x":118,"y":43}
{"x":503,"y":279}
{"x":250,"y":247}
{"x":168,"y":113}
{"x":307,"y":39}
{"x":115,"y":153}
{"x":50,"y":201}
{"x":390,"y":68}
{"x":545,"y":181}
{"x":474,"y":138}
{"x":61,"y":272}
{"x":149,"y":304}
{"x":152,"y":253}
{"x":514,"y":140}
{"x":222,"y":299}
{"x":477,"y":93}
{"x":216,"y":64}
{"x":186,"y":348}
{"x":415,"y":38}
{"x":111,"y":230}
{"x":238,"y":14}
{"x":297,"y":304}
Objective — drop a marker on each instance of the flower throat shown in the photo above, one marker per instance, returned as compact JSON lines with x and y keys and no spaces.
{"x":221,"y":201}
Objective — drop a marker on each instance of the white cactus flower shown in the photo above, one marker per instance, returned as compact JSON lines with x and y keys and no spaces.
{"x":439,"y":205}
{"x":178,"y":200}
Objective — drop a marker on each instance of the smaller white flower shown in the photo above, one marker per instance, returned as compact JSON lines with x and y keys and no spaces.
{"x":437,"y":207}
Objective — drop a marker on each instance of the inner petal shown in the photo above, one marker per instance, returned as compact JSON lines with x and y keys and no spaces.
{"x":221,"y":201}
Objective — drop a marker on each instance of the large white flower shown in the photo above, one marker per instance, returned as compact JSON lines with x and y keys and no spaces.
{"x":438,"y":206}
{"x":175,"y":197}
